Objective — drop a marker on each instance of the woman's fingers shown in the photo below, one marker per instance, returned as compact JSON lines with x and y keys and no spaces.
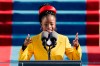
{"x":76,"y":38}
{"x":75,"y":41}
{"x":27,"y":40}
{"x":28,"y":37}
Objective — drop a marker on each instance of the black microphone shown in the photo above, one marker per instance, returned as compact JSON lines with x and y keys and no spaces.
{"x":53,"y":38}
{"x":44,"y":38}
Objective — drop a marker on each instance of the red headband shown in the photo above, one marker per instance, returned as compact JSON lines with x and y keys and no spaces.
{"x":47,"y":8}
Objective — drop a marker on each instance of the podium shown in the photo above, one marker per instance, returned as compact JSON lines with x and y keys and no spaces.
{"x":50,"y":63}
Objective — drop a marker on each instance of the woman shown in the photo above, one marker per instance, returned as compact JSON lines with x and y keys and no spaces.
{"x":34,"y":46}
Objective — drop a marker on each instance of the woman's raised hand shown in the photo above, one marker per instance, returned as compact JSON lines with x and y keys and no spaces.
{"x":28,"y":40}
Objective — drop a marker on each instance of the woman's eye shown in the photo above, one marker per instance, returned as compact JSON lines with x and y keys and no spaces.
{"x":51,"y":24}
{"x":46,"y":24}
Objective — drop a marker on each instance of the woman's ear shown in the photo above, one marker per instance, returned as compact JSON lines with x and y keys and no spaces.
{"x":40,"y":26}
{"x":55,"y":28}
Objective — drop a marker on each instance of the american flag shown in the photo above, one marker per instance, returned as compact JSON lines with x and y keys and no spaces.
{"x":20,"y":17}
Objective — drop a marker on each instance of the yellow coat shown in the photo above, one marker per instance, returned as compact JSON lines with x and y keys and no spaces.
{"x":57,"y":53}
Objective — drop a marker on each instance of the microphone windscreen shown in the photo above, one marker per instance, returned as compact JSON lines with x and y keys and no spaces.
{"x":44,"y":35}
{"x":54,"y":35}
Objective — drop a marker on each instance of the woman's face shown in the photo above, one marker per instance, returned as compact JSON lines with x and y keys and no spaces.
{"x":48,"y":23}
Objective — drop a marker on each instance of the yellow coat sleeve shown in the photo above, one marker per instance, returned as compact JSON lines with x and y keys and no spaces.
{"x":27,"y":53}
{"x":71,"y":52}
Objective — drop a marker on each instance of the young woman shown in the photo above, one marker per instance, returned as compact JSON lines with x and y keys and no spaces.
{"x":34,"y":46}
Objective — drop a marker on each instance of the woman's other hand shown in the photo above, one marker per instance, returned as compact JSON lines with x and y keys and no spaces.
{"x":75,"y":41}
{"x":28,"y":40}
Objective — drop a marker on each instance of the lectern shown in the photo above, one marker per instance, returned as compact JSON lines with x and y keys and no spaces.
{"x":50,"y":63}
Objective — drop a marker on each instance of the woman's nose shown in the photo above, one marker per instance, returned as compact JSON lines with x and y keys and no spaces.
{"x":49,"y":26}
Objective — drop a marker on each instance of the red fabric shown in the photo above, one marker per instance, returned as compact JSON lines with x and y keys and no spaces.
{"x":5,"y":31}
{"x":92,"y":31}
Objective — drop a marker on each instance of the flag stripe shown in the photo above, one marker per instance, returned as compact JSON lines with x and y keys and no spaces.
{"x":92,"y":44}
{"x":5,"y":29}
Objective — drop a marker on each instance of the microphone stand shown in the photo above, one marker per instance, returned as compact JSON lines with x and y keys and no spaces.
{"x":49,"y":49}
{"x":49,"y":52}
